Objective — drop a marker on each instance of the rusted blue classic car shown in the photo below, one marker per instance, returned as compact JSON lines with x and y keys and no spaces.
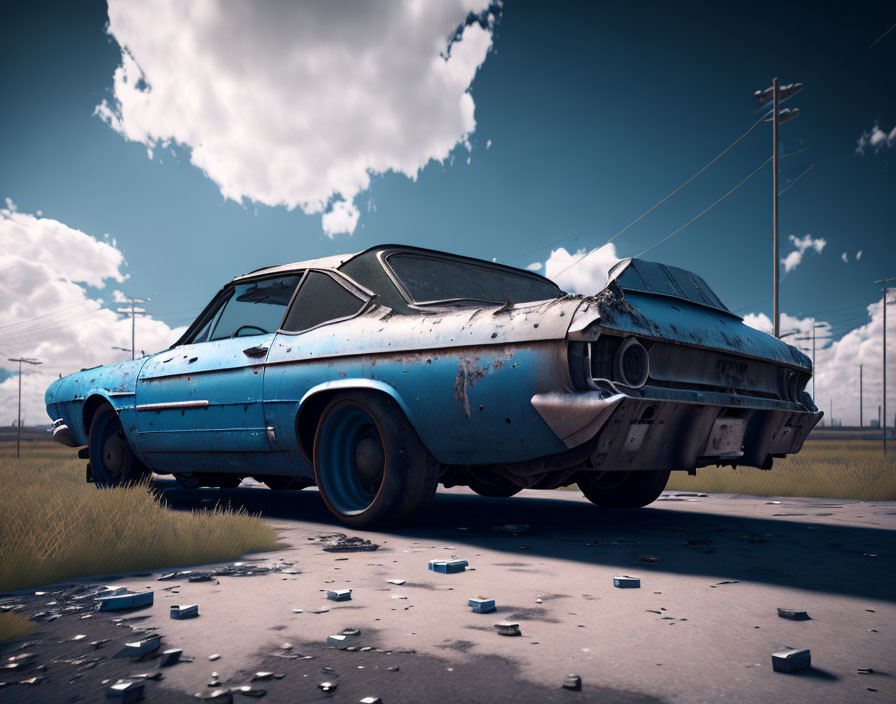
{"x":376,"y":376}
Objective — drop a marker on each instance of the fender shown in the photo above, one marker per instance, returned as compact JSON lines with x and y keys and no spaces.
{"x":344,"y":384}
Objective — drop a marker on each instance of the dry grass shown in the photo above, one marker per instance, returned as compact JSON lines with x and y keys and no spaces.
{"x":13,"y":625}
{"x":54,"y":526}
{"x":841,"y":469}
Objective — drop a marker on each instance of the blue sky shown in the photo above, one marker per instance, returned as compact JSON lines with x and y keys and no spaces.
{"x":592,"y":112}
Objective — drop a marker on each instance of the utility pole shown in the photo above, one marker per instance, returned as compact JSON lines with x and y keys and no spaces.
{"x":20,"y":360}
{"x":860,"y":395}
{"x":883,"y":420}
{"x":777,"y":95}
{"x":133,"y":312}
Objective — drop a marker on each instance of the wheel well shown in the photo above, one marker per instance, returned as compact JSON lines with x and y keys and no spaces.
{"x":91,"y":406}
{"x":310,"y":412}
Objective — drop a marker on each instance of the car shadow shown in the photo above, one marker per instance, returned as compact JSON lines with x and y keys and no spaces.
{"x":849,"y":560}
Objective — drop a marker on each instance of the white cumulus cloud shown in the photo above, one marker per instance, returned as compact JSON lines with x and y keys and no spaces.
{"x":876,"y":139}
{"x":299,"y":104}
{"x":47,"y":313}
{"x":802,"y":245}
{"x":587,"y":276}
{"x":837,"y":363}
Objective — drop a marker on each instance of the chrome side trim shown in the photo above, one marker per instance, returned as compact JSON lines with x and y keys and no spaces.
{"x":172,"y":404}
{"x":63,"y":435}
{"x":121,"y":393}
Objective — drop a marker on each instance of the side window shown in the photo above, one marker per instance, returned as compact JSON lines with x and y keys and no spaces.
{"x":321,"y":299}
{"x":209,"y":325}
{"x":254,"y":308}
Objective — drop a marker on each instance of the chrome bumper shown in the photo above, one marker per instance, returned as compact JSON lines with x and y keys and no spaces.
{"x":63,"y":435}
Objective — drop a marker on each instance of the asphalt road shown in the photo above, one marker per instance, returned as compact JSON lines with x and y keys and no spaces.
{"x":701,"y":628}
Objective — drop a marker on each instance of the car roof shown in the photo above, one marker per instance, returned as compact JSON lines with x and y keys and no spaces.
{"x":332,"y":262}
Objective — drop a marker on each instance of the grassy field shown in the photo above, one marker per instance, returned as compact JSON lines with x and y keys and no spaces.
{"x":54,"y":526}
{"x":842,"y":469}
{"x":14,"y":625}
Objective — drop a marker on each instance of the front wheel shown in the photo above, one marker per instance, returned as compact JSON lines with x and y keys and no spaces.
{"x":112,"y":461}
{"x":371,"y":468}
{"x":632,"y":489}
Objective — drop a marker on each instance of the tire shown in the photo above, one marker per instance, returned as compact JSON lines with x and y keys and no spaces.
{"x":372,"y":471}
{"x":112,"y":461}
{"x":633,"y":489}
{"x":492,"y":485}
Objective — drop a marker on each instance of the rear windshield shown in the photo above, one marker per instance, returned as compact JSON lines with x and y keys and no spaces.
{"x":428,"y":279}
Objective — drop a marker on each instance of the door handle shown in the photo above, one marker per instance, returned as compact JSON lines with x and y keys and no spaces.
{"x":255,"y":352}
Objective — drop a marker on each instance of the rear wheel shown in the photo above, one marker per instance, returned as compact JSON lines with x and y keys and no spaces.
{"x":112,"y":461}
{"x":491,"y":484}
{"x":371,"y":468}
{"x":623,"y":489}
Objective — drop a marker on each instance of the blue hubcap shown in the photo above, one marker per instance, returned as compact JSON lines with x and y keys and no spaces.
{"x":351,"y":459}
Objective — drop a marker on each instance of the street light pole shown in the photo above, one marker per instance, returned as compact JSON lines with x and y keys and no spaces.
{"x":883,"y":420}
{"x":133,"y":312}
{"x":20,"y":360}
{"x":860,"y":395}
{"x":777,"y":95}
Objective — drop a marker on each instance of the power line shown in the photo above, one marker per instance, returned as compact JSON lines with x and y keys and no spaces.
{"x":651,"y":208}
{"x":881,"y":36}
{"x":39,"y":317}
{"x":793,"y":183}
{"x":703,"y":212}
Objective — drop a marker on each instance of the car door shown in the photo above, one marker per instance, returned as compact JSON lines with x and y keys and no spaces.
{"x":199,"y":405}
{"x":300,"y":356}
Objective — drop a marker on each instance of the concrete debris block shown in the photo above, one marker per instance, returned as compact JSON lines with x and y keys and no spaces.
{"x":182,"y":611}
{"x":397,"y":582}
{"x":155,"y":676}
{"x":624,"y":581}
{"x":139,"y":648}
{"x":18,"y":662}
{"x":125,"y":691}
{"x":793,"y":614}
{"x":298,"y":611}
{"x":371,"y":700}
{"x":170,"y":657}
{"x":328,"y":686}
{"x":262,"y":676}
{"x":339,"y":642}
{"x":791,"y":660}
{"x":482,"y":606}
{"x":249,"y":691}
{"x":222,"y":696}
{"x":353,"y":632}
{"x":448,"y":566}
{"x":399,"y":596}
{"x":343,"y":543}
{"x":864,"y":671}
{"x":508,"y":628}
{"x":129,"y":600}
{"x":573,"y":682}
{"x":199,"y":576}
{"x":339,"y":594}
{"x":213,"y":657}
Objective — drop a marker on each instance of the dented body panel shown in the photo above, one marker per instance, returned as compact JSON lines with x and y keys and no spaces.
{"x":533,"y":391}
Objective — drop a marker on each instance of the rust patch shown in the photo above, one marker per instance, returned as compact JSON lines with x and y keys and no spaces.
{"x":468,"y":373}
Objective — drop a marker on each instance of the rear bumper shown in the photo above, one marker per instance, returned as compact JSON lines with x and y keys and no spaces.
{"x":63,"y":434}
{"x":676,"y":429}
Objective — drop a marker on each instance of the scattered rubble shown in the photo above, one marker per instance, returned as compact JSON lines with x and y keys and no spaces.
{"x":791,"y":660}
{"x":223,"y":696}
{"x":125,"y":600}
{"x":328,"y":686}
{"x":183,"y":611}
{"x":371,"y":700}
{"x":448,"y":566}
{"x":482,"y":606}
{"x":139,"y":648}
{"x":249,"y":691}
{"x":339,"y":594}
{"x":236,"y":569}
{"x":794,"y":615}
{"x":213,"y":657}
{"x":339,"y":642}
{"x":125,"y":691}
{"x":508,"y":628}
{"x":170,"y":657}
{"x":573,"y":682}
{"x":623,"y":581}
{"x":340,"y":542}
{"x":397,"y":582}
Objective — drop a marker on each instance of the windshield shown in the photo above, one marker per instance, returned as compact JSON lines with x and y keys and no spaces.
{"x":431,"y":279}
